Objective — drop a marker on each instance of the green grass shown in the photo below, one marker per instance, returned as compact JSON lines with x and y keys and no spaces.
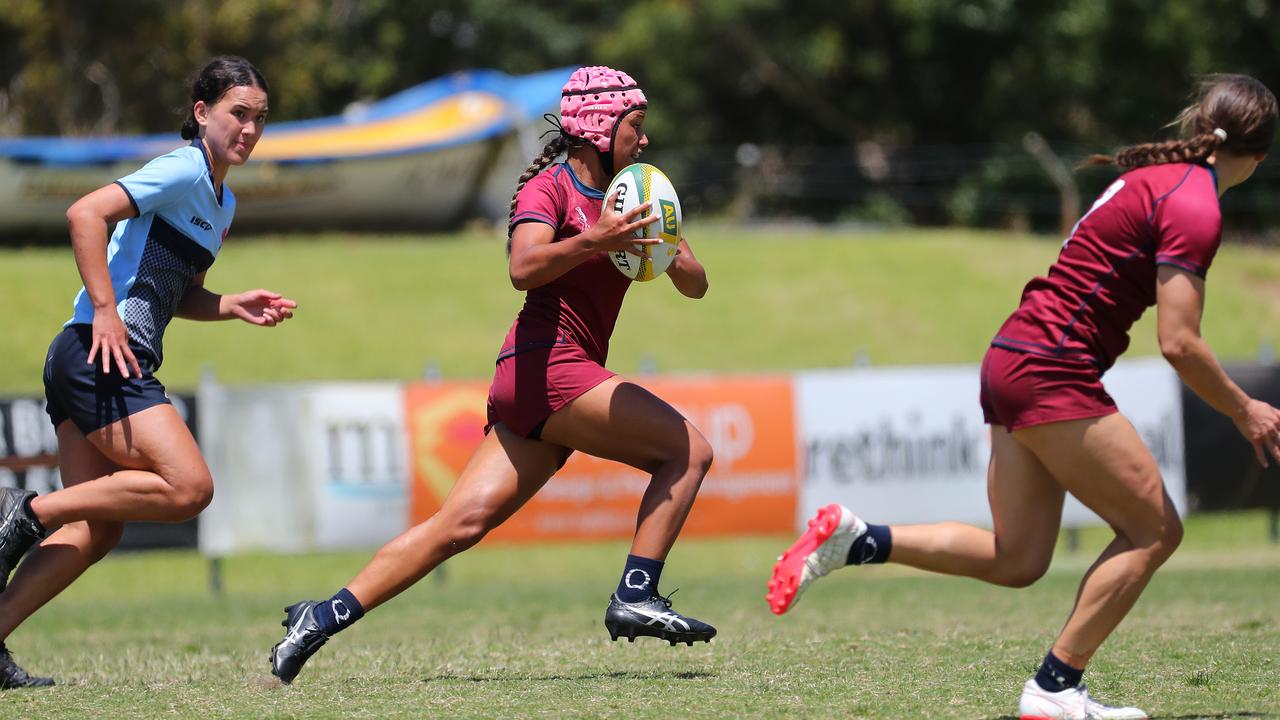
{"x":516,"y":632}
{"x":780,"y":299}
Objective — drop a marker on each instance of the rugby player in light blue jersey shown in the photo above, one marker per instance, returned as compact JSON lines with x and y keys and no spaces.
{"x":124,"y":452}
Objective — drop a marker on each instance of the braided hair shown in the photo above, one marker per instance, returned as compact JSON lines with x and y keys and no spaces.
{"x":1231,"y":112}
{"x":560,"y":143}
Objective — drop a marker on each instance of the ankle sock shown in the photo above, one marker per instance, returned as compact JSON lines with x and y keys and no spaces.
{"x":639,"y":579}
{"x":31,"y":514}
{"x":1056,"y":676}
{"x":873,"y":547}
{"x":338,"y":612}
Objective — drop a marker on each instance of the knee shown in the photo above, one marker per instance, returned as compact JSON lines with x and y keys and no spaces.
{"x":696,"y":457}
{"x":1167,"y":539}
{"x":467,"y":529}
{"x":192,"y":496}
{"x":1022,"y":577}
{"x":692,"y":458}
{"x":1155,"y":541}
{"x":1019,"y":571}
{"x":700,"y":455}
{"x":103,"y":537}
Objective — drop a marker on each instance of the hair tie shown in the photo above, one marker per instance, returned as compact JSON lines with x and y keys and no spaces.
{"x":558,"y":129}
{"x":1220,"y":134}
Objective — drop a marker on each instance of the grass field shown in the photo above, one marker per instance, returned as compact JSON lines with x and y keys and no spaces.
{"x":517,"y":632}
{"x":780,"y":299}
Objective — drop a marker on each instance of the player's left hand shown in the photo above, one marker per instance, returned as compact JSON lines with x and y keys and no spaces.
{"x":262,"y":307}
{"x":1260,"y":425}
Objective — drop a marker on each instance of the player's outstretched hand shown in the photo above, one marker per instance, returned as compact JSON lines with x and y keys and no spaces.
{"x":1260,"y":425}
{"x":616,"y":231}
{"x":111,"y":341}
{"x":261,"y":307}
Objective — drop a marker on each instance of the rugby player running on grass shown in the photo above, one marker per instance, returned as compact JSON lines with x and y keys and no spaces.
{"x":1148,"y":240}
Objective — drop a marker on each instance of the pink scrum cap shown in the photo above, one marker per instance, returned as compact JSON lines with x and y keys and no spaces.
{"x":594,"y":101}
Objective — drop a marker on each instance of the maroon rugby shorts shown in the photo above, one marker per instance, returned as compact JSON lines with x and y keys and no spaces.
{"x":1022,"y":390}
{"x":529,"y":386}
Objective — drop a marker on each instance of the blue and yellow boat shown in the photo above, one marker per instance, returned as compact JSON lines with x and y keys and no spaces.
{"x":427,"y":157}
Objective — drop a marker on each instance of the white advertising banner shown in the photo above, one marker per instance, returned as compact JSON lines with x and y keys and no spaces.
{"x":304,"y":467}
{"x":908,"y":445}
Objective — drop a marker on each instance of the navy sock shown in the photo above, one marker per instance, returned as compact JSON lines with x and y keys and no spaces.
{"x":639,"y":579}
{"x":873,"y":547}
{"x":338,"y":612}
{"x":31,"y":515}
{"x":1056,"y":676}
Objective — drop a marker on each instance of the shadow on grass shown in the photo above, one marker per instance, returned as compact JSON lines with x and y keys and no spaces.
{"x":615,"y":675}
{"x":1195,"y":716}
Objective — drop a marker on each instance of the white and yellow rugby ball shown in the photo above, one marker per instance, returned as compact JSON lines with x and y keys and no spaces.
{"x":637,"y":184}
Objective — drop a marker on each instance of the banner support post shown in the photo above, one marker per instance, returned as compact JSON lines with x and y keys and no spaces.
{"x":215,"y":576}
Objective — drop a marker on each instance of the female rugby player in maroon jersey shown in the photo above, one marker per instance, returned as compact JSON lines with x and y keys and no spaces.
{"x":551,"y":393}
{"x":1148,"y":240}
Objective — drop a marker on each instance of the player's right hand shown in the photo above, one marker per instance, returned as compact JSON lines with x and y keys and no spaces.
{"x":1260,"y":425}
{"x":616,"y":231}
{"x":111,"y":340}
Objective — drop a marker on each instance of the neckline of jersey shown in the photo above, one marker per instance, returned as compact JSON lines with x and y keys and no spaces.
{"x":1212,"y":173}
{"x":581,"y":186}
{"x":197,"y":143}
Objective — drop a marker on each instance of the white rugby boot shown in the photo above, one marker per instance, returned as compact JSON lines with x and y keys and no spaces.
{"x":1070,"y":704}
{"x":823,"y":547}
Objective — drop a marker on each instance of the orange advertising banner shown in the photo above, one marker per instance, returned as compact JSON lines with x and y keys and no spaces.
{"x":751,"y":488}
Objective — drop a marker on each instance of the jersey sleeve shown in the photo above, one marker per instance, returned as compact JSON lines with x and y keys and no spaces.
{"x":161,"y":181}
{"x":1188,"y":224}
{"x":538,"y":201}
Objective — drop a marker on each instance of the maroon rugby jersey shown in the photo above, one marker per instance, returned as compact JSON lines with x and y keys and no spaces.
{"x":1105,"y":275}
{"x":581,"y":306}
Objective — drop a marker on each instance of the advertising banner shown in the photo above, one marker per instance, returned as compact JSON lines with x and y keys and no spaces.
{"x":304,"y":467}
{"x":908,"y":445}
{"x":751,"y":488}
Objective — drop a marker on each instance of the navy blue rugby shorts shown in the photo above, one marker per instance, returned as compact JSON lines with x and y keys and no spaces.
{"x":77,"y":391}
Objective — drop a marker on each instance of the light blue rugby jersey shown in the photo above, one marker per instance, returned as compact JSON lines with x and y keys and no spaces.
{"x":176,"y":235}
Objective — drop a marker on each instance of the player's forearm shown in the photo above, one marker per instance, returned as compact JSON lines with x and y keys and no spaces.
{"x":689,"y":277}
{"x":1197,"y":366}
{"x":201,"y":304}
{"x":540,"y":264}
{"x":89,"y":245}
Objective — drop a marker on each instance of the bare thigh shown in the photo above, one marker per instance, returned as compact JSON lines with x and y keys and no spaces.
{"x":154,"y":439}
{"x":1104,"y":463}
{"x":1026,"y":506}
{"x":621,"y":421}
{"x":78,"y":459}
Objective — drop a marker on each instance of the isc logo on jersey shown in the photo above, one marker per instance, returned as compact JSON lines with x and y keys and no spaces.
{"x":637,"y":184}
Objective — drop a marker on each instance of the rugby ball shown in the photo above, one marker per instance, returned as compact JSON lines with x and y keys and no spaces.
{"x":637,"y":184}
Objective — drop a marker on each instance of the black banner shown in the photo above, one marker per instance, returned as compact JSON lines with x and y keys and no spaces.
{"x":1222,"y":471}
{"x":29,"y":460}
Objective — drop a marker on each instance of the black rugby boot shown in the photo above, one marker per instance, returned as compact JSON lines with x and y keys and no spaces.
{"x":302,"y":638}
{"x":12,"y":676}
{"x":18,"y":530}
{"x":654,"y":618}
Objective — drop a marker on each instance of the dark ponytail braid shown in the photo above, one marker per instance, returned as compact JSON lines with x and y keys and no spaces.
{"x":1234,"y":113}
{"x":558,"y":145}
{"x":1191,"y":150}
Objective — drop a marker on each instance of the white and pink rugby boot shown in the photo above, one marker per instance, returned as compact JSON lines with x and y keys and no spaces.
{"x":823,"y":547}
{"x":1070,"y":704}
